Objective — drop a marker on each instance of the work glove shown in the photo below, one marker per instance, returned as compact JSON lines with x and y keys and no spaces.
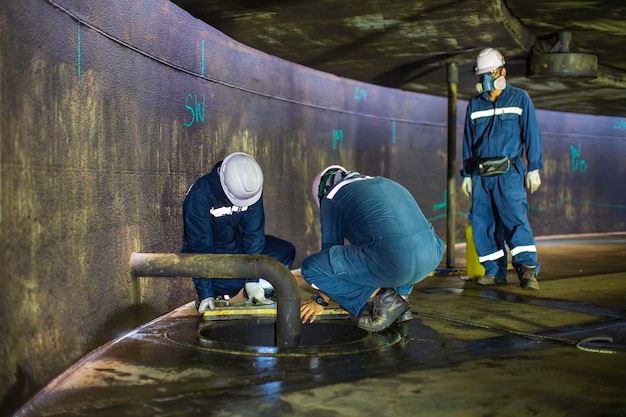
{"x":206,"y":304}
{"x":533,"y":181}
{"x":466,"y":186}
{"x":256,"y":294}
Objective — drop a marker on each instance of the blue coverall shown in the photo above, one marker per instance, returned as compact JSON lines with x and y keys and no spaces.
{"x":212,"y":224}
{"x":504,"y":128}
{"x":392,"y":245}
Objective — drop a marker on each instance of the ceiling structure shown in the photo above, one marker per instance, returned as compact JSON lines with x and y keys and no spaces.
{"x":569,"y":55}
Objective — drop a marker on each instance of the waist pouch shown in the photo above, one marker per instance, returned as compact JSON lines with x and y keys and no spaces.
{"x":488,"y":167}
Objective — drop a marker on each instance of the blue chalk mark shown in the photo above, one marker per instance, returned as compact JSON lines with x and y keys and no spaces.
{"x":393,"y":131}
{"x":360,"y":94}
{"x":443,"y":205}
{"x":196,"y":108}
{"x":619,"y":124}
{"x":203,"y":57}
{"x":548,"y":207}
{"x":338,"y":137}
{"x":78,"y":53}
{"x":575,"y":200}
{"x":444,"y":215}
{"x":577,"y":165}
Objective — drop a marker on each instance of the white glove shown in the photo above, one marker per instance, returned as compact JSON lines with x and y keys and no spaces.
{"x":466,"y":186}
{"x":256,"y":294}
{"x":206,"y":304}
{"x":533,"y":181}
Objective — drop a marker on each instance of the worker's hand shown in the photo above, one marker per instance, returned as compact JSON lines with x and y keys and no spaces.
{"x":206,"y":304}
{"x":466,"y":186}
{"x":533,"y":181}
{"x":309,"y":310}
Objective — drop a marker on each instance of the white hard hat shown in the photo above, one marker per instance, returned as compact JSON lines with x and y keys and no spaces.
{"x":488,"y":59}
{"x":315,"y":189}
{"x":242,"y":179}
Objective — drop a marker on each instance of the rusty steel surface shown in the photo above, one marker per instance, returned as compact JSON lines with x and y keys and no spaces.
{"x":407,"y":45}
{"x":570,"y":338}
{"x":111,"y":110}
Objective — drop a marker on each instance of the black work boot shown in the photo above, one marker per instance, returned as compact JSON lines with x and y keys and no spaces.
{"x":407,"y":315}
{"x":527,"y":278}
{"x":387,"y":307}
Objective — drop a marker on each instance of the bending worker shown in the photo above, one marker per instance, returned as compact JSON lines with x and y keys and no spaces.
{"x":392,"y":246}
{"x":500,"y":126}
{"x":223,"y":214}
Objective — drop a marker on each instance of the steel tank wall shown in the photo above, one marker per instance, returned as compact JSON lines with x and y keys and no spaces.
{"x":584,"y":176}
{"x":110,"y":111}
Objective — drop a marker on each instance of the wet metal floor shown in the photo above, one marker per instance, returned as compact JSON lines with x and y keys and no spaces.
{"x":469,"y":351}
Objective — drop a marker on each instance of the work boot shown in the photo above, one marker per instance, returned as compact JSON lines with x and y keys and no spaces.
{"x":387,"y":307}
{"x":407,"y":315}
{"x":528,"y":281}
{"x":489,"y":279}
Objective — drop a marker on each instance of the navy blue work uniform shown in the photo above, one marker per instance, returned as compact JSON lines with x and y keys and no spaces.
{"x":504,"y":128}
{"x":392,"y":245}
{"x":212,"y":224}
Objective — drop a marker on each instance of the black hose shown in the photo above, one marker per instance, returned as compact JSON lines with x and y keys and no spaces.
{"x":578,"y":343}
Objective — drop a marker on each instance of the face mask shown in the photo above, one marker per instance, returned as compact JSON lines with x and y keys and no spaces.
{"x":489,"y":83}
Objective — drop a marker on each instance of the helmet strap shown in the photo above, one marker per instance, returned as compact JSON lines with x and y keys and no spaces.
{"x":328,"y":180}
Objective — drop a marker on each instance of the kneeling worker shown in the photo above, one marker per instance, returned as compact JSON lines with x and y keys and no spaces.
{"x":392,"y":246}
{"x":223,"y":214}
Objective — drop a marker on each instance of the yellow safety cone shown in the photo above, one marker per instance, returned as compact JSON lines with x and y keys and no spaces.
{"x":474,"y":267}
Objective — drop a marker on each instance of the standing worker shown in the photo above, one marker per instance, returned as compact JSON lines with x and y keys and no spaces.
{"x":392,"y":246}
{"x":500,"y":127}
{"x":223,"y":214}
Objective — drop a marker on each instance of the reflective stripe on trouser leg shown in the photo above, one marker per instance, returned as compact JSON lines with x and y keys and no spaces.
{"x":519,"y":249}
{"x":525,"y":255}
{"x":494,"y":263}
{"x":492,"y":256}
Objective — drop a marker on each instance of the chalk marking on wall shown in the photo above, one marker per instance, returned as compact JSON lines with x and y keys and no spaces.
{"x":443,"y":205}
{"x":582,"y":202}
{"x":548,"y":207}
{"x":196,"y":108}
{"x":444,"y":215}
{"x":393,"y":131}
{"x":619,"y":124}
{"x":203,"y":57}
{"x":578,"y":165}
{"x":338,"y":137}
{"x":182,"y":69}
{"x":78,"y":53}
{"x":360,"y":94}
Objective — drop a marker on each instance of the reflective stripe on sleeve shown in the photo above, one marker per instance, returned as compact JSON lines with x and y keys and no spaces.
{"x":226,"y":211}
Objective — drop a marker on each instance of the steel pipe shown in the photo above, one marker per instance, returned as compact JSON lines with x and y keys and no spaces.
{"x":288,"y":326}
{"x":452,"y":73}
